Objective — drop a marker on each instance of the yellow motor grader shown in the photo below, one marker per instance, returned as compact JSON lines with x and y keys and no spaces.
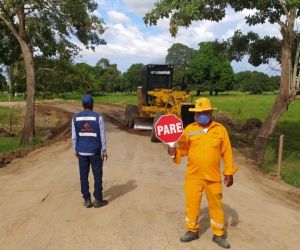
{"x":155,"y":98}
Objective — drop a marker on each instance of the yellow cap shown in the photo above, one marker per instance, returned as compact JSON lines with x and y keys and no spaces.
{"x":202,"y":104}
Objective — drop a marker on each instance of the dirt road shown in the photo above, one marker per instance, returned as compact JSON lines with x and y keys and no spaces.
{"x":41,"y":205}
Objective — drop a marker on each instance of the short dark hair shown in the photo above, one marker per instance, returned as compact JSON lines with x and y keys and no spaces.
{"x":87,"y":105}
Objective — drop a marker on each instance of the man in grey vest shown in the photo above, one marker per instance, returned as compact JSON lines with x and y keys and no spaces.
{"x":89,"y":144}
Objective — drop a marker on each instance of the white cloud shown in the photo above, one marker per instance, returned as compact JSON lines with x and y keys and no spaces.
{"x":118,"y":17}
{"x":129,"y":42}
{"x":140,"y":7}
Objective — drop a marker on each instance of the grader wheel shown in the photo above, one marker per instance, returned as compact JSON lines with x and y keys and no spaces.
{"x":131,"y":113}
{"x":153,"y":136}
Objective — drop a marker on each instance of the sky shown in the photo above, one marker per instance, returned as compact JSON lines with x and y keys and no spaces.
{"x":130,"y":41}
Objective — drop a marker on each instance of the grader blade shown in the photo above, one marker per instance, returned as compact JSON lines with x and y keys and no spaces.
{"x":142,"y":123}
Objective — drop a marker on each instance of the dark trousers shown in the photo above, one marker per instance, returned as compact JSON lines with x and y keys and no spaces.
{"x":84,"y":168}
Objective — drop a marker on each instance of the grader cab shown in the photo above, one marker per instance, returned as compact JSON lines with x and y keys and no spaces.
{"x":155,"y":98}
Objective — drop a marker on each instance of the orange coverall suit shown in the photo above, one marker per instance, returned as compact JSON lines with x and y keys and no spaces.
{"x":204,"y":151}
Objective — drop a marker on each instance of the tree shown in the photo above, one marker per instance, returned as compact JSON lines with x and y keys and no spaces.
{"x":283,"y":13}
{"x":45,"y":26}
{"x":10,"y":50}
{"x":255,"y":82}
{"x":134,"y":75}
{"x":179,"y":54}
{"x":16,"y":74}
{"x":3,"y":83}
{"x":210,"y":70}
{"x":110,"y":80}
{"x":56,"y":75}
{"x":180,"y":77}
{"x":85,"y":77}
{"x":125,"y":85}
{"x":103,"y":63}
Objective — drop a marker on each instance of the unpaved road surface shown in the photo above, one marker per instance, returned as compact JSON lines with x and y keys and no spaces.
{"x":41,"y":205}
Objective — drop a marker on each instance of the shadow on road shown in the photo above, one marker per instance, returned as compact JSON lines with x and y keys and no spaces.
{"x":117,"y":191}
{"x":231,"y":218}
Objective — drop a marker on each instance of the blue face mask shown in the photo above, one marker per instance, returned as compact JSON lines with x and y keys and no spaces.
{"x":204,"y":119}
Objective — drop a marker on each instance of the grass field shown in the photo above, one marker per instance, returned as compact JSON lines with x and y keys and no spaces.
{"x":117,"y":99}
{"x":4,"y":97}
{"x":8,"y":144}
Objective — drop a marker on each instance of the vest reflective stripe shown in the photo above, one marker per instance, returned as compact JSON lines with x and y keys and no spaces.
{"x":88,"y":134}
{"x":86,"y":118}
{"x":216,"y":224}
{"x":198,"y":132}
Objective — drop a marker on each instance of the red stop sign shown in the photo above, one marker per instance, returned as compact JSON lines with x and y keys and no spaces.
{"x":168,"y":129}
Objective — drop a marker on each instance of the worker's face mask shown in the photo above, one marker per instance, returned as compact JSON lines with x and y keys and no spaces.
{"x":203,"y":119}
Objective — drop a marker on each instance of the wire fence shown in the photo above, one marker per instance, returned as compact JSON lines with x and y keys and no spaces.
{"x":283,"y":160}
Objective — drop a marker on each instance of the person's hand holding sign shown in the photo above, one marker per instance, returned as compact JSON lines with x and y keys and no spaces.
{"x":172,"y":151}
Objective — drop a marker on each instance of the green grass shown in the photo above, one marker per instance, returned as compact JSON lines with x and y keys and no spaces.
{"x":119,"y":98}
{"x":8,"y":144}
{"x":116,"y":99}
{"x":244,"y":107}
{"x":4,"y":115}
{"x":4,"y":97}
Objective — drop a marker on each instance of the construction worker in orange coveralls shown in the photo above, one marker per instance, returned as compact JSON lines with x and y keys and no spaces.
{"x":205,"y":142}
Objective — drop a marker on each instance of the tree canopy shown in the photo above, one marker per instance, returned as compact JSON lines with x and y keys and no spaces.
{"x":45,"y":27}
{"x":134,"y":75}
{"x":48,"y":25}
{"x":179,"y":54}
{"x":210,"y":70}
{"x":184,"y":12}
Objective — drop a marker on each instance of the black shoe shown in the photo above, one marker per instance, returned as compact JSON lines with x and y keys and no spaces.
{"x":189,"y":236}
{"x":87,"y":203}
{"x":221,"y":241}
{"x":100,"y":203}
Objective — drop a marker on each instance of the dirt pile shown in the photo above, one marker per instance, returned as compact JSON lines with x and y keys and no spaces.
{"x":226,"y":120}
{"x":251,"y":125}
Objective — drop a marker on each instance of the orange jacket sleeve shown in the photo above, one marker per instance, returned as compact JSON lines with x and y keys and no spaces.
{"x":183,"y":147}
{"x":226,"y":152}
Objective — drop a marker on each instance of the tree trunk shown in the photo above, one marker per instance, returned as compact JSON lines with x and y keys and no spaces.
{"x":20,"y":34}
{"x":198,"y":92}
{"x":28,"y":129}
{"x":280,"y":105}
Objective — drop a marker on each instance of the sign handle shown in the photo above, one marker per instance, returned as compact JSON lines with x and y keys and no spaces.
{"x":172,"y":145}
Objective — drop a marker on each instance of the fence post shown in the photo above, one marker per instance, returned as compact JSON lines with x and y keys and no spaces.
{"x":280,"y":149}
{"x":10,"y":114}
